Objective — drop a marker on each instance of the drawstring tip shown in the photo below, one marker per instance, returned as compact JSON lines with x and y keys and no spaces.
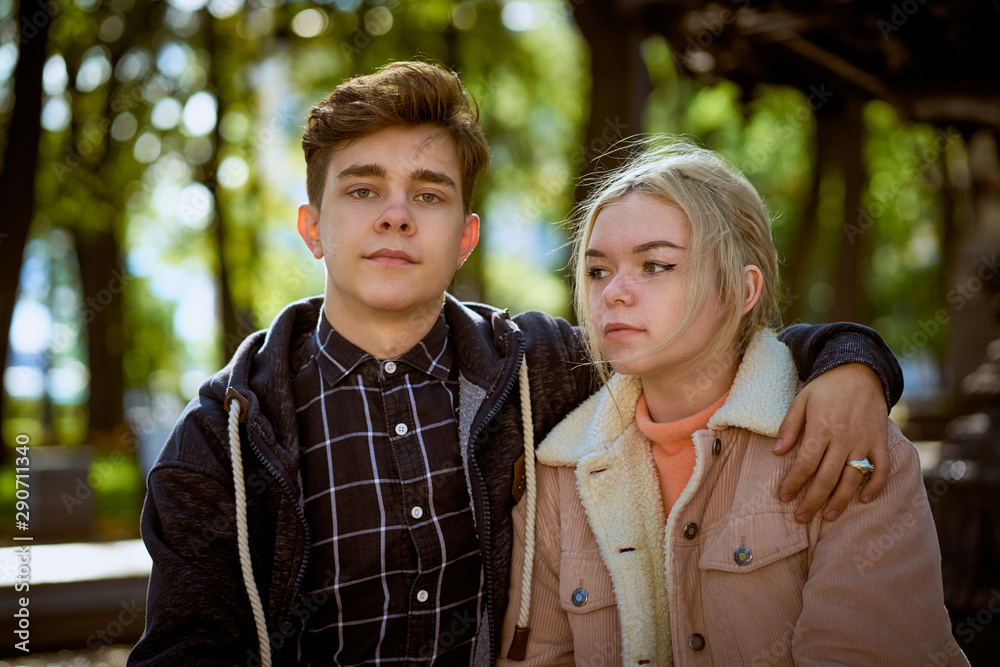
{"x":519,"y":647}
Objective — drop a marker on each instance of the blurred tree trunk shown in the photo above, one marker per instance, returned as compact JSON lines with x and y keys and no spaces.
{"x":849,"y":302}
{"x":103,"y":280}
{"x":237,"y":322}
{"x":620,"y":84}
{"x":801,"y":256}
{"x":972,"y":303}
{"x":20,"y":162}
{"x":102,"y":271}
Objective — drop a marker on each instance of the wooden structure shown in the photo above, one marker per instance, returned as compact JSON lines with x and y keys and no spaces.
{"x":935,"y":63}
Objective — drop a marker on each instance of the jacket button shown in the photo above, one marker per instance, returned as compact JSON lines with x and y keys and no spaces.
{"x":742,"y":556}
{"x":690,"y":530}
{"x":696,"y":642}
{"x":717,"y":447}
{"x":579,"y":597}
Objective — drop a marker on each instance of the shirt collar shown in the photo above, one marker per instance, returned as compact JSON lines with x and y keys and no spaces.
{"x":338,"y":357}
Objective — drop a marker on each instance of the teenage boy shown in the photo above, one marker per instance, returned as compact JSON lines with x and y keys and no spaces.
{"x":379,"y":431}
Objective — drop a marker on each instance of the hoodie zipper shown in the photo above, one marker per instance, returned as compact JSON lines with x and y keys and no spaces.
{"x":486,"y":498}
{"x":302,"y":519}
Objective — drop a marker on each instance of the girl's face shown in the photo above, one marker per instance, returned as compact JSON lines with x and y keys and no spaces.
{"x":637,"y":287}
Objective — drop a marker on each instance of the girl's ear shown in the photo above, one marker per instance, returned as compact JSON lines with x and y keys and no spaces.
{"x":753,"y":281}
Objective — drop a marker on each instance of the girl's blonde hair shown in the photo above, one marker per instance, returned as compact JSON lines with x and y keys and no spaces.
{"x":730,"y":229}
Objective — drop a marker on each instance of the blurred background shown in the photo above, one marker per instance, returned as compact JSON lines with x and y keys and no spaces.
{"x":151,"y":170}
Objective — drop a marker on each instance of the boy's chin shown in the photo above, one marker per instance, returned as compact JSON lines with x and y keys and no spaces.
{"x":394,"y":301}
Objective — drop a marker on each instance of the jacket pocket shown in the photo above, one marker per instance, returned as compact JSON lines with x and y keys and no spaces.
{"x":750,"y":542}
{"x":584,"y":583}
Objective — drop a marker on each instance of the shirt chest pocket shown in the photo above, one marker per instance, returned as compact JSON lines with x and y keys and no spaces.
{"x":584,"y":583}
{"x":750,"y":542}
{"x":752,"y":568}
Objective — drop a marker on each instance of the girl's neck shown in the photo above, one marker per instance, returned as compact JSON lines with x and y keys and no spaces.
{"x":674,"y":394}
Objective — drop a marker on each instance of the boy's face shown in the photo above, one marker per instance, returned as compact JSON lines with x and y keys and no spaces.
{"x":391,"y":227}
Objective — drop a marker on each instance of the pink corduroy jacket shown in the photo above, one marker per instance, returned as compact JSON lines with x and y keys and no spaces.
{"x":729,"y":577}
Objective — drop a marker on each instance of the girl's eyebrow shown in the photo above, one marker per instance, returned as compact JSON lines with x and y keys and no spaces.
{"x":639,"y":249}
{"x":652,"y":245}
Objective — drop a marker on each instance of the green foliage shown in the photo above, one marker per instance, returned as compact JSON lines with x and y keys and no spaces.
{"x":185,"y":202}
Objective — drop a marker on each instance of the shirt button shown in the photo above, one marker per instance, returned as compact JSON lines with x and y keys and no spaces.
{"x":390,"y":367}
{"x":417,"y":512}
{"x":717,"y":447}
{"x":579,"y":597}
{"x":696,"y":642}
{"x":742,"y":556}
{"x":422,"y":596}
{"x":401,"y":429}
{"x":690,"y":530}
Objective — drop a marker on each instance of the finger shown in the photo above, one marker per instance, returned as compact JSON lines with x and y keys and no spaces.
{"x":788,"y":433}
{"x":850,"y":480}
{"x":824,"y":482}
{"x":807,"y":460}
{"x":879,"y":476}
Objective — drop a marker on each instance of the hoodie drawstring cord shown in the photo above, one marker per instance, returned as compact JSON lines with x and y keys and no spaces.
{"x":519,"y":646}
{"x":242,"y":534}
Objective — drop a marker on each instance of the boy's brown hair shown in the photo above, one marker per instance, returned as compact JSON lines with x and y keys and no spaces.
{"x":400,"y":93}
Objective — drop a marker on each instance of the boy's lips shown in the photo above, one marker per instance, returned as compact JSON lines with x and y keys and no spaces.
{"x":390,"y":257}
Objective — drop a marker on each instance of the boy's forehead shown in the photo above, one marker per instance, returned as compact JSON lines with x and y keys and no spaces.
{"x":396,"y":148}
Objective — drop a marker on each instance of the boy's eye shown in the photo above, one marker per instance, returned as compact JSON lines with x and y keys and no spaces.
{"x":428,"y":197}
{"x":362,"y":193}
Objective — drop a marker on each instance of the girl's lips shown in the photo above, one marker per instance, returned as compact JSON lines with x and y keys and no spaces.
{"x":617,"y":331}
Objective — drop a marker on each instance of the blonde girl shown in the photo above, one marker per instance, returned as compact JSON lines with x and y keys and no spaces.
{"x":659,"y":536}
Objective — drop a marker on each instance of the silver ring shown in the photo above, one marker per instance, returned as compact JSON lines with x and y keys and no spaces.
{"x":864,"y":465}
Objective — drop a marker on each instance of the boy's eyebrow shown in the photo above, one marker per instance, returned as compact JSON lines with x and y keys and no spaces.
{"x":363,"y":170}
{"x":431,"y":176}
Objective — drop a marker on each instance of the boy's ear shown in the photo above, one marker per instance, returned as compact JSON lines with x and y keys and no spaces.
{"x":308,"y":225}
{"x":470,"y":238}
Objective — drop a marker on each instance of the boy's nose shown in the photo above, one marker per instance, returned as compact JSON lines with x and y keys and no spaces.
{"x":396,"y":217}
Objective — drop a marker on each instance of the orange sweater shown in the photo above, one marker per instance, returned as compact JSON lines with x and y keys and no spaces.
{"x":673,"y":448}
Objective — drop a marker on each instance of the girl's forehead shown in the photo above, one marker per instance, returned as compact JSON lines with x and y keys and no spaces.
{"x":639,"y":218}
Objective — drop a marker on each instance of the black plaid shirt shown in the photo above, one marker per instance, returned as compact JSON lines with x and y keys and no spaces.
{"x":394,"y":572}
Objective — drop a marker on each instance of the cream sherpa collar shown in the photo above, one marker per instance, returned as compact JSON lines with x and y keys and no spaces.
{"x":764,"y":387}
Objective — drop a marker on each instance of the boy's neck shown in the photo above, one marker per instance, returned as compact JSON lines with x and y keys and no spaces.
{"x":671,"y":397}
{"x":382,"y":334}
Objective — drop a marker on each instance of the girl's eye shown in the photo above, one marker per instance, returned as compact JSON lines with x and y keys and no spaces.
{"x":656,"y":267}
{"x":362,"y":193}
{"x":596,"y":273}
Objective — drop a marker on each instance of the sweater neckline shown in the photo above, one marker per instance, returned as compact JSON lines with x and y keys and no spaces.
{"x":674,"y":435}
